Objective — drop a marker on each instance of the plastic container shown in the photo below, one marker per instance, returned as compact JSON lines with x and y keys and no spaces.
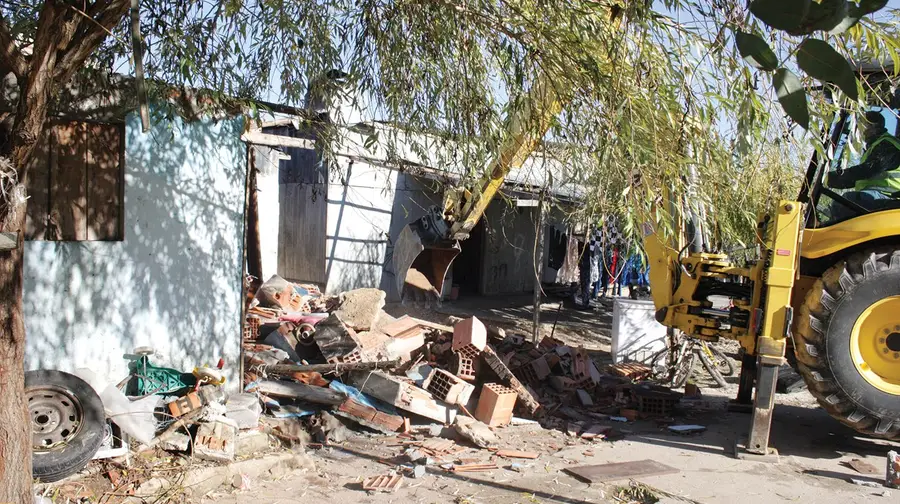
{"x":636,"y":335}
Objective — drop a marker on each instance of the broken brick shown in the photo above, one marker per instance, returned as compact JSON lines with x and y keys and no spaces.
{"x":465,"y":367}
{"x":383,"y":483}
{"x":469,"y":337}
{"x":215,"y":440}
{"x":495,"y":406}
{"x":448,"y":388}
{"x":337,"y":342}
{"x":184,"y":405}
{"x":370,"y":417}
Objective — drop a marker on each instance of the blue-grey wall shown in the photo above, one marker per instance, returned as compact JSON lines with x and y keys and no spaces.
{"x":174,"y":283}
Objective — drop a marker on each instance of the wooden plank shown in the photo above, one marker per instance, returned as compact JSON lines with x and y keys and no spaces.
{"x":620,"y":470}
{"x":68,"y":182}
{"x":38,"y":210}
{"x":104,"y":165}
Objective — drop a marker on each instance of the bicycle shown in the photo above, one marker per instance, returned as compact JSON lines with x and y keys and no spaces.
{"x":677,"y":368}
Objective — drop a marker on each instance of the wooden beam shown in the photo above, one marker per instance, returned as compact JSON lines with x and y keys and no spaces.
{"x":260,"y":138}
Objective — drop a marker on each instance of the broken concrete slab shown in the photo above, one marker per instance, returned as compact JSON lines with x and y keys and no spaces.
{"x":176,"y":441}
{"x":244,"y":409}
{"x":402,"y":347}
{"x":584,"y":398}
{"x":276,"y":292}
{"x":251,"y":442}
{"x":475,"y":431}
{"x":360,"y":308}
{"x":403,"y":395}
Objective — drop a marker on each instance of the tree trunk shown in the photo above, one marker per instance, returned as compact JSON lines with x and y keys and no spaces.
{"x":15,"y":426}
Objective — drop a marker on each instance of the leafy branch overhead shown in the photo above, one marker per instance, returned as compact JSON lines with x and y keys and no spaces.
{"x":814,"y":56}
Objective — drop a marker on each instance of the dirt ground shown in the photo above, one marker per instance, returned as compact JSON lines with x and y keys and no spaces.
{"x":812,"y":466}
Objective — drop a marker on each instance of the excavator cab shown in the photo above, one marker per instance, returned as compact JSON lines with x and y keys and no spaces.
{"x":837,"y":191}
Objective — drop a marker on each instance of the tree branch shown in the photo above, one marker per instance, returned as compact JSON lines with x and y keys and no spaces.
{"x":90,"y":36}
{"x":9,"y":51}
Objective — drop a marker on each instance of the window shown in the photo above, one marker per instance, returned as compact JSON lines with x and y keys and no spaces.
{"x":75,"y":183}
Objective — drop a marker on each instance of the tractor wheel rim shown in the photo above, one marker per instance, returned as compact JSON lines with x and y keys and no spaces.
{"x":875,"y":345}
{"x":56,"y":417}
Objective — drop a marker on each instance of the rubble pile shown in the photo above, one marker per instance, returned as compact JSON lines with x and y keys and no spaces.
{"x":318,"y":369}
{"x":307,"y":353}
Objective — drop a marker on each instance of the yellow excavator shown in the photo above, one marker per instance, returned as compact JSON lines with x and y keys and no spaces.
{"x":823,"y":295}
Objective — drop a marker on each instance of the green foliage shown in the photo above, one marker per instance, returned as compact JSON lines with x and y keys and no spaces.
{"x":658,"y":94}
{"x":820,"y":61}
{"x":756,"y":51}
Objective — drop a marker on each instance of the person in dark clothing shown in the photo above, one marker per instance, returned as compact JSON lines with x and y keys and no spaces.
{"x":877,"y":176}
{"x":584,"y":277}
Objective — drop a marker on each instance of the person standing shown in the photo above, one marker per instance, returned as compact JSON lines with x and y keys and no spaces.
{"x":612,"y":265}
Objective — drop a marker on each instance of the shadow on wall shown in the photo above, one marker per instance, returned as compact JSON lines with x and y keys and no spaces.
{"x":365,"y":269}
{"x":174,"y":283}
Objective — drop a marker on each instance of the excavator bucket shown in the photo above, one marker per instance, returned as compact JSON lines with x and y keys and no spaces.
{"x":422,"y":256}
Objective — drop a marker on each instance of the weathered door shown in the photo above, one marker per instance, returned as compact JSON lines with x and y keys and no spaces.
{"x":303,"y":202}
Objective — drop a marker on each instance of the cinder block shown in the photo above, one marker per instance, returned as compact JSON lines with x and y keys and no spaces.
{"x":563,"y":383}
{"x":541,"y":368}
{"x":584,"y":371}
{"x":448,"y":388}
{"x":465,"y":367}
{"x":469,"y":337}
{"x":495,"y":406}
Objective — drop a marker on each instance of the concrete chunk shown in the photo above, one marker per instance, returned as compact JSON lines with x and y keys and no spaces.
{"x":476,"y":432}
{"x":216,"y":440}
{"x":360,"y":308}
{"x":403,"y":395}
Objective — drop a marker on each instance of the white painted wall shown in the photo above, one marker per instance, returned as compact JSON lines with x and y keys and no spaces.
{"x":267,"y":160}
{"x":360,"y":202}
{"x":174,"y":283}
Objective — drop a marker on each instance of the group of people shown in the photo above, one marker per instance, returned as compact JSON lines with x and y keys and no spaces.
{"x":609,"y":262}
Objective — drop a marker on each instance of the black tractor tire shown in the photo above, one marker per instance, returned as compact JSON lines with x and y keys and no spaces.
{"x":60,"y":460}
{"x":822,"y":341}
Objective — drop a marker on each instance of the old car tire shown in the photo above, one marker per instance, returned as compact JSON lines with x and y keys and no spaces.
{"x":68,"y":423}
{"x":848,"y":342}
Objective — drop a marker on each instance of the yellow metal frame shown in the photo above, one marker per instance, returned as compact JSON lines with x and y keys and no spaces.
{"x":843,"y":235}
{"x":674,"y":281}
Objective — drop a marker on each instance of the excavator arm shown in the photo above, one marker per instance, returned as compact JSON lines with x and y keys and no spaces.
{"x":426,"y":247}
